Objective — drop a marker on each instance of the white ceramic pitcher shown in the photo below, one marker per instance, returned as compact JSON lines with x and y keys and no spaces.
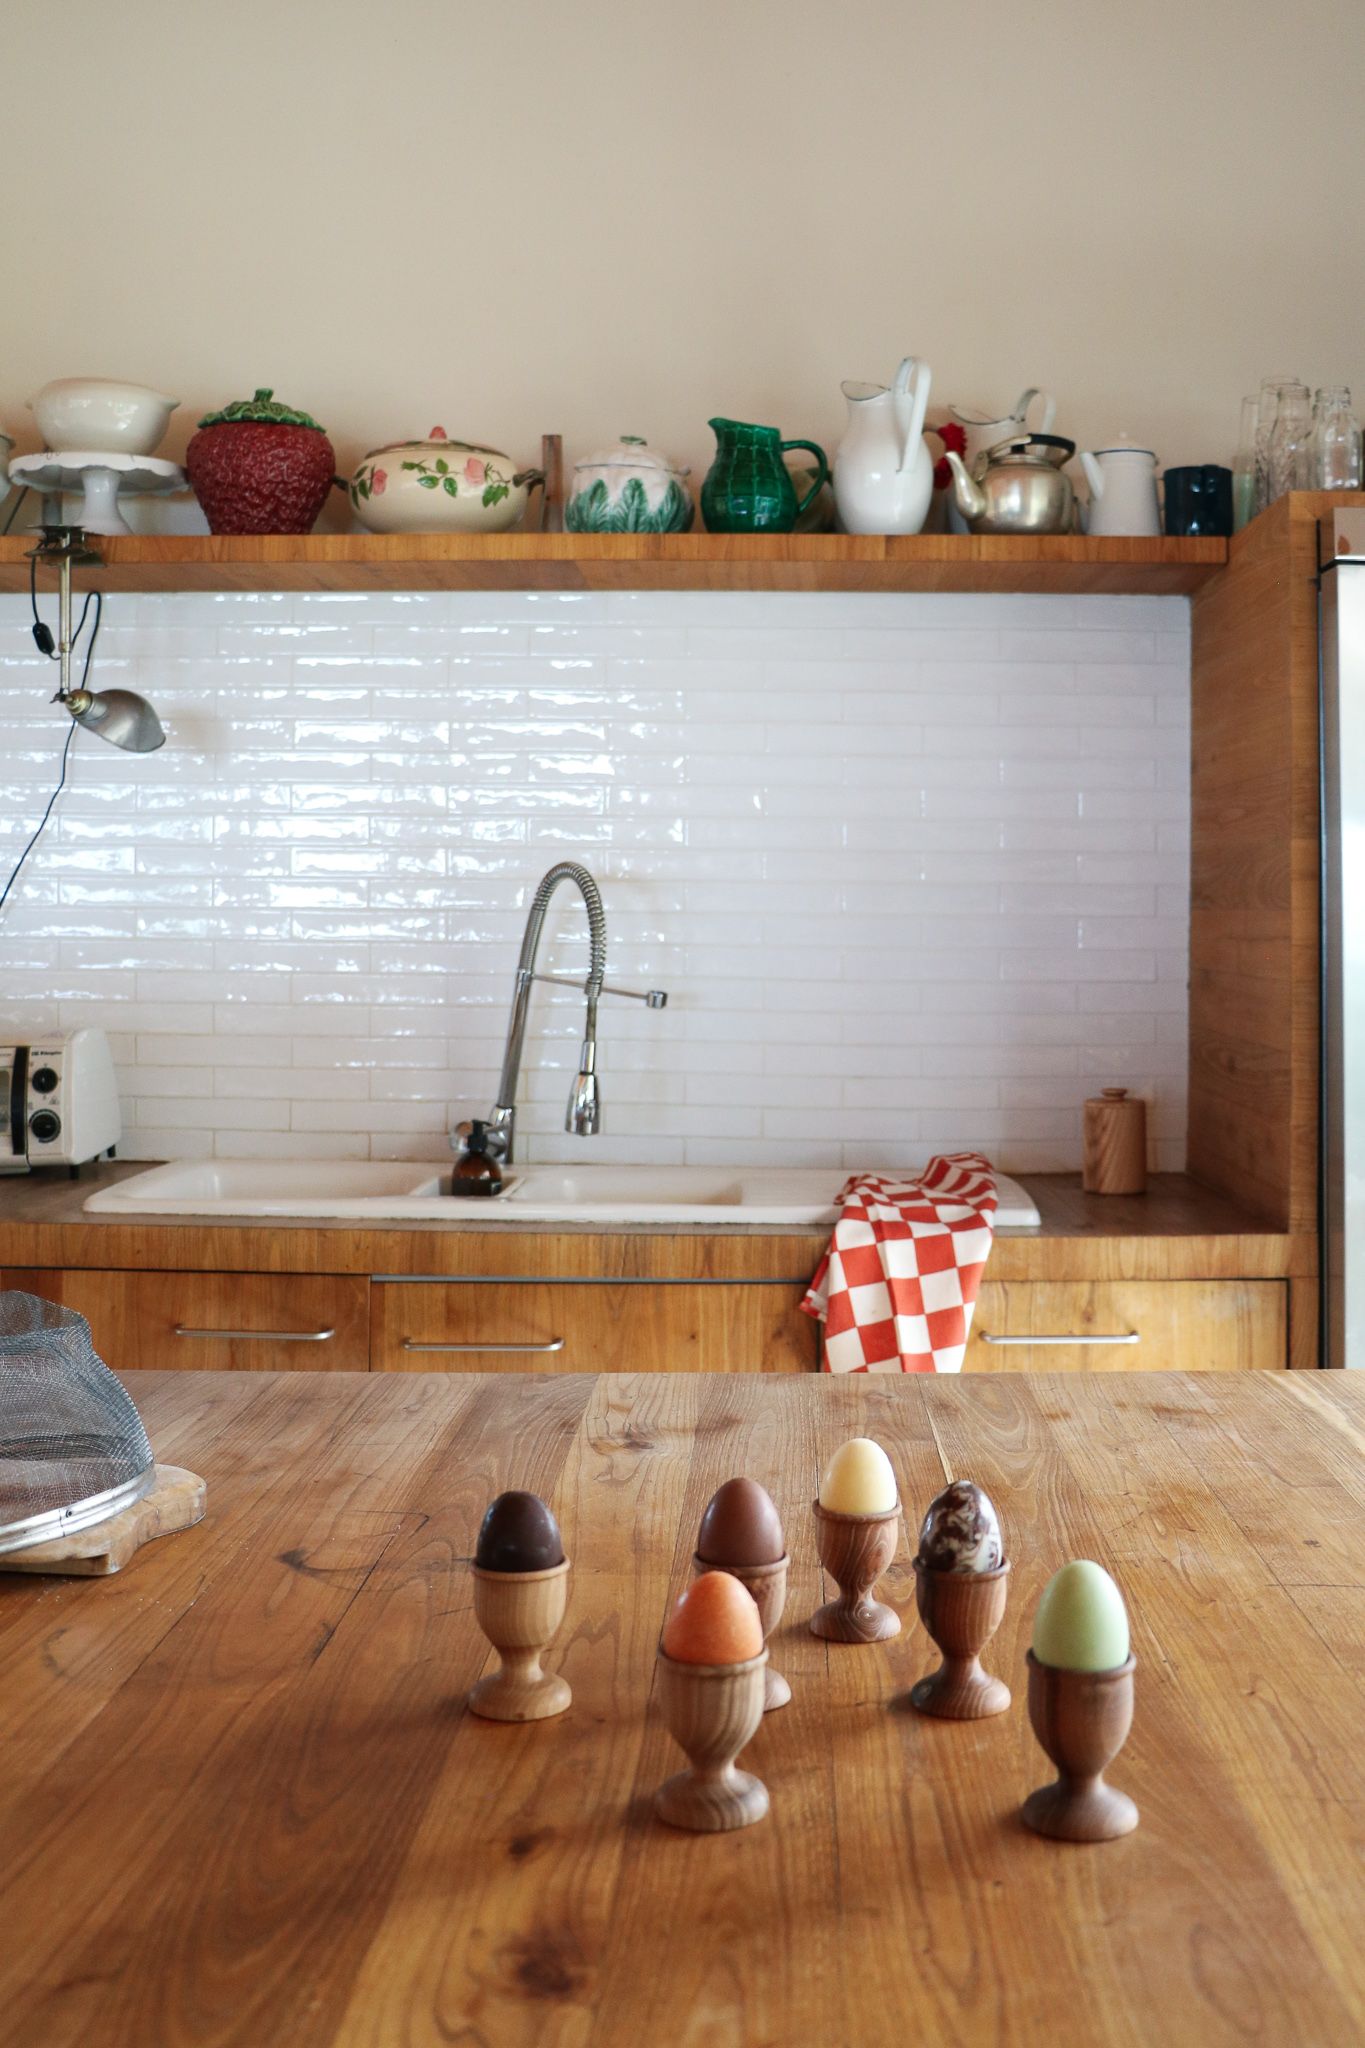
{"x":1122,"y":482}
{"x":984,"y":432}
{"x":883,"y":471}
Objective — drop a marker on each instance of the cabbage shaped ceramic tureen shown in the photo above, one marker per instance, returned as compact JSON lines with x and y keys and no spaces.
{"x":440,"y":486}
{"x":629,"y":489}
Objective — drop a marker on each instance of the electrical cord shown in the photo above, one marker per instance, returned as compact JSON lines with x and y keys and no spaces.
{"x":42,"y":634}
{"x":61,"y":784}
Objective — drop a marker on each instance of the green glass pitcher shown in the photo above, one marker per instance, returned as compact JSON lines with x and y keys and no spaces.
{"x":748,"y":488}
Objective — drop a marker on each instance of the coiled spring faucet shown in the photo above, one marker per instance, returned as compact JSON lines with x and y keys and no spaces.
{"x":583,"y":1111}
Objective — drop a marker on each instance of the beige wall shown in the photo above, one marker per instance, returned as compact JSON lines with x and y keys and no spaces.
{"x":612,"y":215}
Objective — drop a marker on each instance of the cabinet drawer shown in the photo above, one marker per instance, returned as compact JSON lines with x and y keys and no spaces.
{"x":241,"y":1322}
{"x":588,"y":1326}
{"x":1157,"y":1326}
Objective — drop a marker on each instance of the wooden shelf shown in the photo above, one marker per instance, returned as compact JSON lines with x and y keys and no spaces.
{"x":1059,"y":564}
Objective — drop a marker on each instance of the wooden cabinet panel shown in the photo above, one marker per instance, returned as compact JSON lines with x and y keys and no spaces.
{"x":1180,"y":1325}
{"x":244,"y":1322}
{"x":549,"y":1326}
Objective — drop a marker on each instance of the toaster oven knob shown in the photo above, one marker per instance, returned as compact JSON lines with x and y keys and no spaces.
{"x":43,"y":1080}
{"x":45,"y":1125}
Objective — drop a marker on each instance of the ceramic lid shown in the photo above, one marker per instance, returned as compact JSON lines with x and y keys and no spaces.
{"x":631,"y":452}
{"x":1123,"y":446}
{"x":439,"y":439}
{"x":265,"y":408}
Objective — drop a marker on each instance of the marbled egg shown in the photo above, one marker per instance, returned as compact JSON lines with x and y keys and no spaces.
{"x":519,"y":1534}
{"x":1081,"y":1623}
{"x":740,"y":1527}
{"x":715,"y":1622}
{"x":961,"y":1532}
{"x":859,"y":1480}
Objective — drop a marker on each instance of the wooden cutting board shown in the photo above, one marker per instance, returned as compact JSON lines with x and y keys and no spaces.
{"x":176,"y":1501}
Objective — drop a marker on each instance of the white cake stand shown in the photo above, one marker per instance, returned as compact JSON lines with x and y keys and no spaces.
{"x":100,"y":477}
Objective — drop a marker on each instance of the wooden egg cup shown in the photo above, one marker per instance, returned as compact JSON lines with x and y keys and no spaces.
{"x":1082,"y":1719}
{"x":712,"y":1711}
{"x":855,"y":1550}
{"x":961,"y":1612}
{"x":768,"y":1585}
{"x":519,"y":1613}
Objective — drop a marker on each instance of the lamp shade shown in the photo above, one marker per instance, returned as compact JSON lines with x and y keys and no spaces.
{"x":119,"y":716}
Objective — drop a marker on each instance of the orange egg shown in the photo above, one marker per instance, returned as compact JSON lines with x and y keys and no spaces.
{"x":715,"y":1622}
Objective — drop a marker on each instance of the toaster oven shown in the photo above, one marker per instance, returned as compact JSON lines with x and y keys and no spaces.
{"x":58,"y":1101}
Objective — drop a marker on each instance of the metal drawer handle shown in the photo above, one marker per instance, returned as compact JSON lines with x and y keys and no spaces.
{"x":555,"y":1344}
{"x":1130,"y":1337}
{"x":260,"y":1336}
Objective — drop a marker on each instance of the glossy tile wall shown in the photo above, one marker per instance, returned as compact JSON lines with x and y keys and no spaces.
{"x":914,"y":870}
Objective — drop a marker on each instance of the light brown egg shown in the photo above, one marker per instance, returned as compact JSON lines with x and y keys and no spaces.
{"x":715,"y":1622}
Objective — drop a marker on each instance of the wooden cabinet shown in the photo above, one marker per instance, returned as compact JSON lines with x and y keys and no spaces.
{"x":270,"y":1322}
{"x":1154,"y":1326}
{"x":245,"y":1322}
{"x":589,"y":1326}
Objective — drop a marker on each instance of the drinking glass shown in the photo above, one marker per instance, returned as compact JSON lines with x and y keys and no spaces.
{"x":1288,"y":452}
{"x":1334,"y":454}
{"x":1244,"y":467}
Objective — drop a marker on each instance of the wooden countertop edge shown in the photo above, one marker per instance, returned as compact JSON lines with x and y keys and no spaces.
{"x":637,"y":1254}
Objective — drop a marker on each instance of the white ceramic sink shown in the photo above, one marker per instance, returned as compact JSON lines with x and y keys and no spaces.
{"x":376,"y":1189}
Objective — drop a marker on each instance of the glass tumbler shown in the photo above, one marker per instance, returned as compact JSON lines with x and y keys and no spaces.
{"x":1244,"y":467}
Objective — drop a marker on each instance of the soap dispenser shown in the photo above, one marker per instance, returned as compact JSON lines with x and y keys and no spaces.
{"x":475,"y":1173}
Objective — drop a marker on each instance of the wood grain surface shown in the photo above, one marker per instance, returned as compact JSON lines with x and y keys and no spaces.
{"x":1254,"y":867}
{"x":1068,"y":563}
{"x":242,"y":1801}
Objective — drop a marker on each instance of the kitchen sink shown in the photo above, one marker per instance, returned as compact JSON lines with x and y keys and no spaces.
{"x":373,"y":1190}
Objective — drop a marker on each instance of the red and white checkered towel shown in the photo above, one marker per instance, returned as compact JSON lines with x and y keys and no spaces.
{"x":896,"y":1289}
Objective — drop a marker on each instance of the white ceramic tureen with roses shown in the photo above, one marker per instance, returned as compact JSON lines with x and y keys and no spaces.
{"x":440,"y":486}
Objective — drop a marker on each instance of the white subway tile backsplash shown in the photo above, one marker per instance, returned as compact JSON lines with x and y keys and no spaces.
{"x":914,"y":869}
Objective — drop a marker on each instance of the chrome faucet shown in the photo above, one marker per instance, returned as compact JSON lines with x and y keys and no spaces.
{"x":583,"y":1110}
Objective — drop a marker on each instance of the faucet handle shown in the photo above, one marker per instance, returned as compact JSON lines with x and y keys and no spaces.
{"x":654,"y":998}
{"x":494,"y":1135}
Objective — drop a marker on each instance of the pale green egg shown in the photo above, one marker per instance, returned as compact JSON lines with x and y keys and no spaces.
{"x":1081,"y":1623}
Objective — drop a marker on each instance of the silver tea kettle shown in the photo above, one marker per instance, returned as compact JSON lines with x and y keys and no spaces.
{"x":1019,"y":486}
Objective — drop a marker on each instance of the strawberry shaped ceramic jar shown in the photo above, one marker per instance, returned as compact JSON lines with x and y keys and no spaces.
{"x":440,"y":486}
{"x":260,"y":467}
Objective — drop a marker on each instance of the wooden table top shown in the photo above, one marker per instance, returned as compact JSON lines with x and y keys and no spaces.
{"x":241,"y":1800}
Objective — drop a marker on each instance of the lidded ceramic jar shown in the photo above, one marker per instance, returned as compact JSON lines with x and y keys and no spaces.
{"x":257,"y":466}
{"x":630,"y":488}
{"x":440,"y":486}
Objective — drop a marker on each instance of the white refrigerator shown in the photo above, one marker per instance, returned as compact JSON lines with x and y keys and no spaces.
{"x":1342,"y":1152}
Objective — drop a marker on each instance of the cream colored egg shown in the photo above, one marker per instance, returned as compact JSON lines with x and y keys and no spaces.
{"x":1081,"y":1623}
{"x":858,"y":1480}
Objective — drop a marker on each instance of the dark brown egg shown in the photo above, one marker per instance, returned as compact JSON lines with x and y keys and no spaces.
{"x":740,"y":1527}
{"x":519,"y":1534}
{"x":961,"y":1532}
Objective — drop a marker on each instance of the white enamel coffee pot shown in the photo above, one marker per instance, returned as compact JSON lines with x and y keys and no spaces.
{"x":1122,"y":482}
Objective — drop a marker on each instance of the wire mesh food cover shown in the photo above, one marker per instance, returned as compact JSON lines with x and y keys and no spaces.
{"x":72,"y":1446}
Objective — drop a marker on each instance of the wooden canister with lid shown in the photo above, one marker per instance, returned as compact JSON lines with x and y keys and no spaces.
{"x":1114,"y":1149}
